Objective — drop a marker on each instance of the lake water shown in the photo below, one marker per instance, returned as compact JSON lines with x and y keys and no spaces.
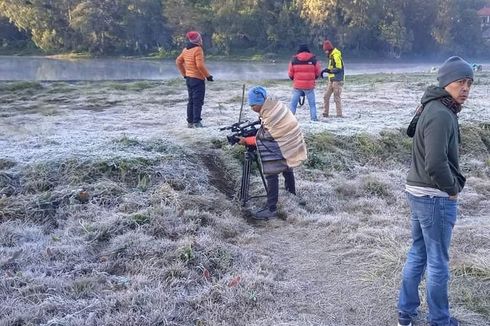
{"x":47,"y":68}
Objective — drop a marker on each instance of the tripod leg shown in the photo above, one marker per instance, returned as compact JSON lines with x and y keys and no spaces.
{"x":245,"y":183}
{"x":256,"y":159}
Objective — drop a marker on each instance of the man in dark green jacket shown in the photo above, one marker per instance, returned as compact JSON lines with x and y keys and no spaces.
{"x":433,"y":184}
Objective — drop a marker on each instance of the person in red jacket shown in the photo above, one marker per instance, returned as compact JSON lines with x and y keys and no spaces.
{"x":303,"y":70}
{"x":191,"y":65}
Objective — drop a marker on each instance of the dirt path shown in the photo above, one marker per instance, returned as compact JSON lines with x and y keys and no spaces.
{"x":320,"y":282}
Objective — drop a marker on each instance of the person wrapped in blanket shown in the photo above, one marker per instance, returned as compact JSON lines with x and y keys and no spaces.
{"x":280,"y":145}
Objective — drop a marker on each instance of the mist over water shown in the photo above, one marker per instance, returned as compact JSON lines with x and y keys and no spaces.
{"x":50,"y":69}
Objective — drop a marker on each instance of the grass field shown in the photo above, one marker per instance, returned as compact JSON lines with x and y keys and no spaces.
{"x":113,"y":212}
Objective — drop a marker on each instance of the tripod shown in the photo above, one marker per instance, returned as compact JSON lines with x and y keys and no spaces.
{"x":250,"y":156}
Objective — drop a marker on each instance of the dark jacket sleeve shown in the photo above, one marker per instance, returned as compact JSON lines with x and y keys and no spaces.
{"x":437,"y":134}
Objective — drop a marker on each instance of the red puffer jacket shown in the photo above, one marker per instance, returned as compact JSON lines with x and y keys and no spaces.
{"x":303,"y":70}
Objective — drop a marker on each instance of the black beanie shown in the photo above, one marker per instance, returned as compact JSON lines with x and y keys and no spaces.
{"x":303,"y":48}
{"x":453,"y":69}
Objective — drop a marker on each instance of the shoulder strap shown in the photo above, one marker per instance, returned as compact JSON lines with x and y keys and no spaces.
{"x":413,"y":124}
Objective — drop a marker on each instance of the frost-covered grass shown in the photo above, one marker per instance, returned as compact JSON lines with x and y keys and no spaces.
{"x":112,"y":211}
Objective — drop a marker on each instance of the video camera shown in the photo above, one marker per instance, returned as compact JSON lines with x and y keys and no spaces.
{"x":241,"y":129}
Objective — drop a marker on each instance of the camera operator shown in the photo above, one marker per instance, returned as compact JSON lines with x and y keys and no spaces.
{"x":280,"y":145}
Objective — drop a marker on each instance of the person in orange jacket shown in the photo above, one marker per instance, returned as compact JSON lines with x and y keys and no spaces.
{"x":191,"y":65}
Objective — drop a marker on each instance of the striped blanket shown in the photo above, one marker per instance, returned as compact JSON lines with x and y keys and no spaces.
{"x":283,"y":128}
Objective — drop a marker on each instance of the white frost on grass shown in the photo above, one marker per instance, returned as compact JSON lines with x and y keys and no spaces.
{"x":92,"y":115}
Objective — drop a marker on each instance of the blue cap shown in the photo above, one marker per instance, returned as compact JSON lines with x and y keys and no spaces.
{"x":256,"y":95}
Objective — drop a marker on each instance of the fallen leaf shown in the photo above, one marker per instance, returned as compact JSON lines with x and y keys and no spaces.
{"x":206,"y":274}
{"x":234,"y":281}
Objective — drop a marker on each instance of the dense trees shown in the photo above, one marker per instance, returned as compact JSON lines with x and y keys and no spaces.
{"x":361,"y":27}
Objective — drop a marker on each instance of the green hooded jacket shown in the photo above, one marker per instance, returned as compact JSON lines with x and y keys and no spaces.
{"x":435,"y":149}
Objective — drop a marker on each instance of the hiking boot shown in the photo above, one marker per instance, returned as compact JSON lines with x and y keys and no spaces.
{"x":190,"y":125}
{"x":265,"y":214}
{"x":198,"y":125}
{"x":404,"y":319}
{"x":325,"y":115}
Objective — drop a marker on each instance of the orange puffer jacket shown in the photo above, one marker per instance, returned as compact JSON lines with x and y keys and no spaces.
{"x":191,"y":62}
{"x":303,"y":70}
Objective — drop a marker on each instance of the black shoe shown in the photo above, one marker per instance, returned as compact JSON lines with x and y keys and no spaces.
{"x":190,"y":125}
{"x":198,"y":125}
{"x":265,"y":214}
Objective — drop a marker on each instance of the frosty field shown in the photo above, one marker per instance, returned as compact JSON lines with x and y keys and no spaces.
{"x":113,"y":212}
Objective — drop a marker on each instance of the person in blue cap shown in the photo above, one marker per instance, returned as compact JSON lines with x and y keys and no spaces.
{"x":433,"y":184}
{"x":280,"y":145}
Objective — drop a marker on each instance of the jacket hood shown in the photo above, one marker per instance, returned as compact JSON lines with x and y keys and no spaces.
{"x":433,"y":93}
{"x":304,"y":56}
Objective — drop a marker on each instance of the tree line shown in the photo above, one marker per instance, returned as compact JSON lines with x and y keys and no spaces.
{"x":385,"y":28}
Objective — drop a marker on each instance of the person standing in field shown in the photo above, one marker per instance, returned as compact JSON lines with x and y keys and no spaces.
{"x":303,"y":70}
{"x":433,"y":184}
{"x":280,"y":145}
{"x":191,"y":65}
{"x":335,"y":71}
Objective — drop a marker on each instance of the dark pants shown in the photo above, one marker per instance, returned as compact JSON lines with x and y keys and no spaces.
{"x":273,"y":187}
{"x":196,"y":90}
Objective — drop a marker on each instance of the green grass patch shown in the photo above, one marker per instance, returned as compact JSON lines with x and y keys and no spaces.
{"x":472,"y":271}
{"x":474,"y":301}
{"x":20,"y":86}
{"x":141,"y":218}
{"x":375,"y":187}
{"x":133,"y":86}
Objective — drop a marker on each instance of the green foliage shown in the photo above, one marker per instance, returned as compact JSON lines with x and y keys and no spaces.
{"x":375,"y":187}
{"x":125,"y":141}
{"x":143,"y":181}
{"x":475,"y":140}
{"x":340,"y":153}
{"x":20,"y":86}
{"x":367,"y":146}
{"x":141,"y":218}
{"x":158,"y":27}
{"x":186,"y":253}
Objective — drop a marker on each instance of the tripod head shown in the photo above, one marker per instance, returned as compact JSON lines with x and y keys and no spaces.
{"x":241,"y":129}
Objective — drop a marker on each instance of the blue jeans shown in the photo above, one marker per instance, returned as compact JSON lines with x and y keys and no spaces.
{"x":432,"y":220}
{"x":310,"y":95}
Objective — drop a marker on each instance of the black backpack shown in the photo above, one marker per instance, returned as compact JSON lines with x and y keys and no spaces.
{"x":413,"y":124}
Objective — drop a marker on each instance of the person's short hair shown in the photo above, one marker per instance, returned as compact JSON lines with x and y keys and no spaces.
{"x":454,"y":68}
